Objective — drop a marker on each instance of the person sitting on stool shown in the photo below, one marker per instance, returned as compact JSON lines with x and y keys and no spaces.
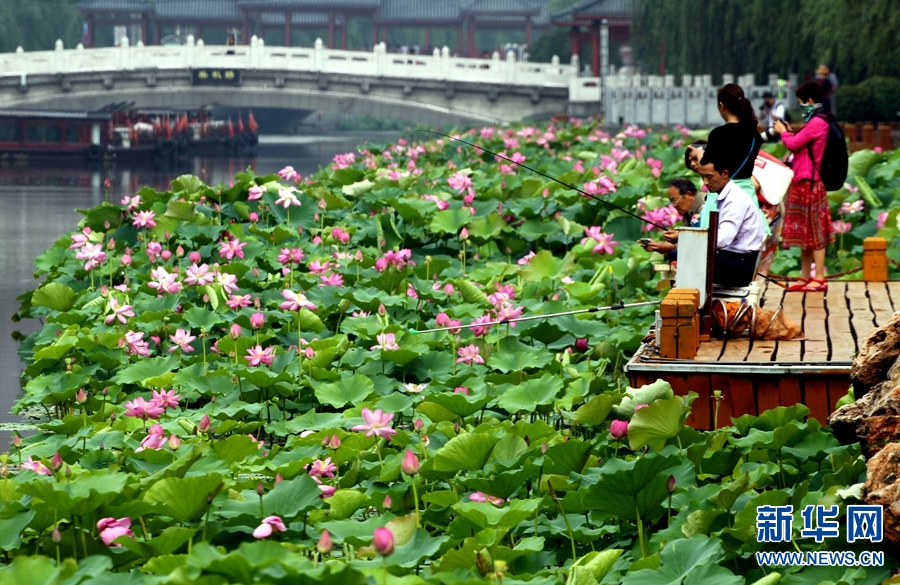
{"x":741,"y":231}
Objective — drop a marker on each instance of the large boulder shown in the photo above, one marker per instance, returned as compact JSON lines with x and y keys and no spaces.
{"x":882,"y":488}
{"x":874,"y":419}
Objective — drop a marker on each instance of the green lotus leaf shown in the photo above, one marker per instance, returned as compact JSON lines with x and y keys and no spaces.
{"x":655,"y":424}
{"x":185,"y":499}
{"x":529,"y":395}
{"x":466,"y":452}
{"x":54,"y":296}
{"x":352,"y":390}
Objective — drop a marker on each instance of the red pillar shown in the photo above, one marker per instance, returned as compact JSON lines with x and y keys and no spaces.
{"x":384,"y":35}
{"x":156,"y":27}
{"x":245,"y":32}
{"x":331,"y":30}
{"x":288,"y":17}
{"x":595,"y":49}
{"x":459,"y":41}
{"x":427,"y":43}
{"x":528,"y":31}
{"x":344,"y":35}
{"x":144,"y":24}
{"x":197,"y":31}
{"x":473,"y":52}
{"x":374,"y":34}
{"x":576,"y":41}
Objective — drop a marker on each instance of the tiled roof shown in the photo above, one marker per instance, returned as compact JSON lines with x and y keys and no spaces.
{"x":419,"y":10}
{"x":505,"y":7}
{"x":115,"y":6}
{"x":595,"y":8}
{"x":310,"y":4}
{"x":299,"y":18}
{"x":219,"y":9}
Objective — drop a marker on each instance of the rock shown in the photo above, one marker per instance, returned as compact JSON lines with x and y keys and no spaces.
{"x":882,"y":488}
{"x":874,"y":419}
{"x":878,"y":355}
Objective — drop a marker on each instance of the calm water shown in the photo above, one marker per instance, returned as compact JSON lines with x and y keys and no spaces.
{"x":37,"y":207}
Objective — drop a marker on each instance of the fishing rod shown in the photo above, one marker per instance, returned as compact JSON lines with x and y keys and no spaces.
{"x":617,"y":307}
{"x":533,"y":170}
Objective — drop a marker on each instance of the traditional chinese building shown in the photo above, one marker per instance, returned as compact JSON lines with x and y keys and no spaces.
{"x":585,"y":19}
{"x":471,"y":27}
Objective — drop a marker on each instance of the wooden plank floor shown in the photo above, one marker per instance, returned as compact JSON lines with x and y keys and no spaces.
{"x":835,"y":323}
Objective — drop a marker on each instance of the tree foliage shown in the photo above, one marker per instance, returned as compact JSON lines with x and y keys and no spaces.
{"x":768,"y":36}
{"x":36,"y":25}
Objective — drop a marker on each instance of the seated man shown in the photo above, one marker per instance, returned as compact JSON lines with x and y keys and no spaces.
{"x":687,"y":202}
{"x":741,"y":229}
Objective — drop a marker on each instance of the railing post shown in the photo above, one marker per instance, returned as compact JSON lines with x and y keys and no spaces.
{"x":254,"y":52}
{"x":319,"y":56}
{"x":875,"y":260}
{"x":511,"y":67}
{"x":445,"y":63}
{"x":126,"y":54}
{"x":59,"y":57}
{"x":189,"y":52}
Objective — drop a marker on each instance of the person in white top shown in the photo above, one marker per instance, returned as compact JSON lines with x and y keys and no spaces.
{"x":771,"y":111}
{"x":741,"y":229}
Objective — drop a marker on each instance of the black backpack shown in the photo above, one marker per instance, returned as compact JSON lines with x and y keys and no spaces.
{"x":835,"y":161}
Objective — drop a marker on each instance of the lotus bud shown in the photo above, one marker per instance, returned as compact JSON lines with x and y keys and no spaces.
{"x":234,"y":331}
{"x":165,"y":255}
{"x":464,"y":234}
{"x":257,"y":320}
{"x":299,"y":230}
{"x":410,"y":463}
{"x":717,"y":394}
{"x":68,"y":471}
{"x":278,"y":479}
{"x":316,"y":217}
{"x":55,"y":535}
{"x":388,"y":503}
{"x":56,"y":461}
{"x":205,"y":298}
{"x":174,"y":442}
{"x":107,"y":183}
{"x":194,"y":257}
{"x":101,"y":446}
{"x":254,"y":217}
{"x":309,"y":352}
{"x":383,"y":541}
{"x":104,"y":291}
{"x":358,"y":256}
{"x":581,"y":345}
{"x":334,"y":442}
{"x":317,"y":240}
{"x":256,"y":302}
{"x":17,"y":441}
{"x":112,"y":416}
{"x":418,"y":424}
{"x":81,"y":396}
{"x":671,"y":484}
{"x":179,"y":251}
{"x":166,"y":235}
{"x":106,"y":224}
{"x":111,"y":244}
{"x":323,"y":204}
{"x":618,"y":429}
{"x":381,"y":310}
{"x":544,"y":448}
{"x":324,"y":545}
{"x":456,"y":428}
{"x":106,"y":391}
{"x":204,"y":424}
{"x":260,"y":489}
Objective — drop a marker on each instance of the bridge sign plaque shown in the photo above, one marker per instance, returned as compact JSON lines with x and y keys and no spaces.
{"x":216,"y":77}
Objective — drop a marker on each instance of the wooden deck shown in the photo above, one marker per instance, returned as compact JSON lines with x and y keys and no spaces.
{"x":755,"y":376}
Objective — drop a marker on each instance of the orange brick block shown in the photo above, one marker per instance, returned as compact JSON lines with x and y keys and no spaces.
{"x":875,"y":261}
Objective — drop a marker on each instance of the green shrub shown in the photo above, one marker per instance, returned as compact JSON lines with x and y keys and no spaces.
{"x":876,"y":99}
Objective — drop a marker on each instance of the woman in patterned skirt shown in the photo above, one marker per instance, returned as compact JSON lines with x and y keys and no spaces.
{"x":807,"y":221}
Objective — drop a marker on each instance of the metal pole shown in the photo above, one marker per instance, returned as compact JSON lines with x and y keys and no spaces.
{"x":532,"y":317}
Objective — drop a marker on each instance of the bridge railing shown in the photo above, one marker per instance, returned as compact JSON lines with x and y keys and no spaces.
{"x":256,"y":56}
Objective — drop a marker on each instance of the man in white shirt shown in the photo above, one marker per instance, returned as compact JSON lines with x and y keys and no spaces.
{"x":772,"y":111}
{"x":741,"y":230}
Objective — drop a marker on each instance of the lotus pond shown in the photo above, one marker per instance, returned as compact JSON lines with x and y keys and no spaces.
{"x":227,"y":387}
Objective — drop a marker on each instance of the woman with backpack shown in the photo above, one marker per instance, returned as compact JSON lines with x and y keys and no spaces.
{"x":807,"y":222}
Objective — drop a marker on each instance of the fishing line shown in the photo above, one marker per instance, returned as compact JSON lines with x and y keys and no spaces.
{"x":533,"y":170}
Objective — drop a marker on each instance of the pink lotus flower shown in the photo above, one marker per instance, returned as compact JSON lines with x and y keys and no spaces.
{"x":410,"y":463}
{"x":481,"y":498}
{"x":154,"y":249}
{"x":316,"y":267}
{"x":231,"y":248}
{"x":182,"y":340}
{"x":235,"y":302}
{"x":882,"y":219}
{"x":136,"y":343}
{"x":460,"y":182}
{"x":342,"y":161}
{"x":327,"y":490}
{"x":120,"y":312}
{"x":377,"y":423}
{"x":199,"y":275}
{"x":94,"y":255}
{"x":290,"y":256}
{"x":618,"y":429}
{"x":36,"y":467}
{"x":270,"y":524}
{"x":331,"y":280}
{"x":411,"y":291}
{"x":256,"y":192}
{"x":526,"y":259}
{"x":441,"y":204}
{"x":228,"y":282}
{"x":166,"y":398}
{"x":154,"y":440}
{"x":383,"y":541}
{"x":140,"y":408}
{"x":324,"y":545}
{"x":163,"y":281}
{"x":386,"y":341}
{"x":322,"y":468}
{"x":257,"y":320}
{"x":79,"y":240}
{"x":340,"y":235}
{"x":257,"y":355}
{"x":469,"y":355}
{"x":414,"y":388}
{"x":481,"y":331}
{"x":841,"y":227}
{"x":461,"y":390}
{"x":604,"y":242}
{"x":110,"y":529}
{"x":295,"y":301}
{"x":144,"y":219}
{"x":287,"y":173}
{"x":286,"y":198}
